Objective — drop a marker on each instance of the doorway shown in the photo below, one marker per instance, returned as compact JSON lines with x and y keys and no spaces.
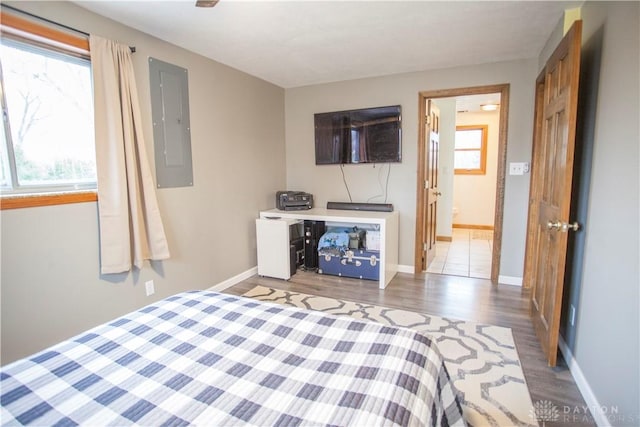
{"x":477,"y":234}
{"x":469,"y":131}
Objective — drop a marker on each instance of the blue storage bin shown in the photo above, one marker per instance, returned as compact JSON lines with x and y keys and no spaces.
{"x":360,"y":264}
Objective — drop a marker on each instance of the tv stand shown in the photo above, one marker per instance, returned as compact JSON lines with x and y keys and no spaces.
{"x":387,"y":221}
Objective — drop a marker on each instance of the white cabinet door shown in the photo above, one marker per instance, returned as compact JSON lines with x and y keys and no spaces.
{"x":274,"y":247}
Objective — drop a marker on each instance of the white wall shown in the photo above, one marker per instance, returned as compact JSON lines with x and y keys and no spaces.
{"x":51,"y":285}
{"x":325,"y":182}
{"x":475,"y":195}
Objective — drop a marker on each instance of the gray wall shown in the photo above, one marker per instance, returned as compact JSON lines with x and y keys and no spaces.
{"x":325,"y":182}
{"x":605,"y":342}
{"x":51,"y":286}
{"x":552,"y":43}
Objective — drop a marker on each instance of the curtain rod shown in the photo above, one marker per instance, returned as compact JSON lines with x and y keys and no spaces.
{"x":66,"y":27}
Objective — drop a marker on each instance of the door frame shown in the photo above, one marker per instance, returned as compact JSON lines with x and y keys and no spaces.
{"x":503,"y":89}
{"x":530,"y":258}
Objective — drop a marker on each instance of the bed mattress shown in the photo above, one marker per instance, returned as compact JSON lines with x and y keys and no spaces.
{"x":207,"y":358}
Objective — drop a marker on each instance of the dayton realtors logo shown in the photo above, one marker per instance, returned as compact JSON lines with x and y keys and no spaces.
{"x":543,"y":411}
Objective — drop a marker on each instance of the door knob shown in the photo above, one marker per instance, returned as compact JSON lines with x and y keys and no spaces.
{"x":437,"y":193}
{"x":554,"y":225}
{"x":562,"y":226}
{"x":573,"y":227}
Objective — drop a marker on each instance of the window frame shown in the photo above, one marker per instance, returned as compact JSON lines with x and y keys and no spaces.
{"x":24,"y":30}
{"x":482,"y":169}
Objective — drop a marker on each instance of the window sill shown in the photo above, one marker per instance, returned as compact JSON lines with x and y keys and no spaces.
{"x":469,"y":172}
{"x":17,"y":201}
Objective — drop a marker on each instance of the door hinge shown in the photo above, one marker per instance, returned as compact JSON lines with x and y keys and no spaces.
{"x":428,"y":120}
{"x":425,"y":247}
{"x":426,"y":184}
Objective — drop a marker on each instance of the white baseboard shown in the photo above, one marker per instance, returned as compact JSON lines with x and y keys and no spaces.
{"x":583,"y":385}
{"x":233,"y":280}
{"x":510,"y":280}
{"x":405,"y":269}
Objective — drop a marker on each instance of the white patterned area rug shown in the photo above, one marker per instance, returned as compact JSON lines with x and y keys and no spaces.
{"x":481,"y":359}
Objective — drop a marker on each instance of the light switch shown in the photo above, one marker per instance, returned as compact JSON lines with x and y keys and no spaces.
{"x":518,"y":168}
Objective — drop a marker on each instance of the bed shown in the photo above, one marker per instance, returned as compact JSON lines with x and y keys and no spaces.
{"x":206,"y":358}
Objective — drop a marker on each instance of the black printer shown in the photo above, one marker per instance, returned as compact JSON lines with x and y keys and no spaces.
{"x":293,"y":200}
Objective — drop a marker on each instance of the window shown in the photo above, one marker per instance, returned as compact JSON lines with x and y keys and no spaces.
{"x":47,"y":135}
{"x":470,"y":156}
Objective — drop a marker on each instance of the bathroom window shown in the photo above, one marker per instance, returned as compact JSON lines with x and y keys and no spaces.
{"x":470,"y":155}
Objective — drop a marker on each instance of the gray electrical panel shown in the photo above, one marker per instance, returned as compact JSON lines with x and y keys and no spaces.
{"x":171,"y":128}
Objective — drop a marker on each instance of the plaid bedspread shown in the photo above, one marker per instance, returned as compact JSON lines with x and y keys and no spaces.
{"x":204,"y":358}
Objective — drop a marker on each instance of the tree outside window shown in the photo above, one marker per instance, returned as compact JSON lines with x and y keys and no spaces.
{"x":47,"y":104}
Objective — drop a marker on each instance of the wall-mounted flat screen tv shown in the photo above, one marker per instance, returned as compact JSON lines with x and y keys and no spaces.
{"x":368,"y":135}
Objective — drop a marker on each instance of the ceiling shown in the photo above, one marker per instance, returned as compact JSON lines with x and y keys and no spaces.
{"x":304,"y":42}
{"x":473,"y":103}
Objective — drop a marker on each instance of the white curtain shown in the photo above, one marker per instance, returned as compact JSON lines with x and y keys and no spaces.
{"x":131,"y":229}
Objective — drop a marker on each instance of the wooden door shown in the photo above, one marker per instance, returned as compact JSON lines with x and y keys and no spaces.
{"x":554,"y":140}
{"x":428,"y":177}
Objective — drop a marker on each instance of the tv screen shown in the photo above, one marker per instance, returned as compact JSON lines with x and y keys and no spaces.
{"x":368,"y":135}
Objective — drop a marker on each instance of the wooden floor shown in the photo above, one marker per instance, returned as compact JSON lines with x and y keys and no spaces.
{"x":458,"y":298}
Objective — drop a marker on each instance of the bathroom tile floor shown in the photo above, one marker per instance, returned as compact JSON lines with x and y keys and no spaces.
{"x":468,"y":254}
